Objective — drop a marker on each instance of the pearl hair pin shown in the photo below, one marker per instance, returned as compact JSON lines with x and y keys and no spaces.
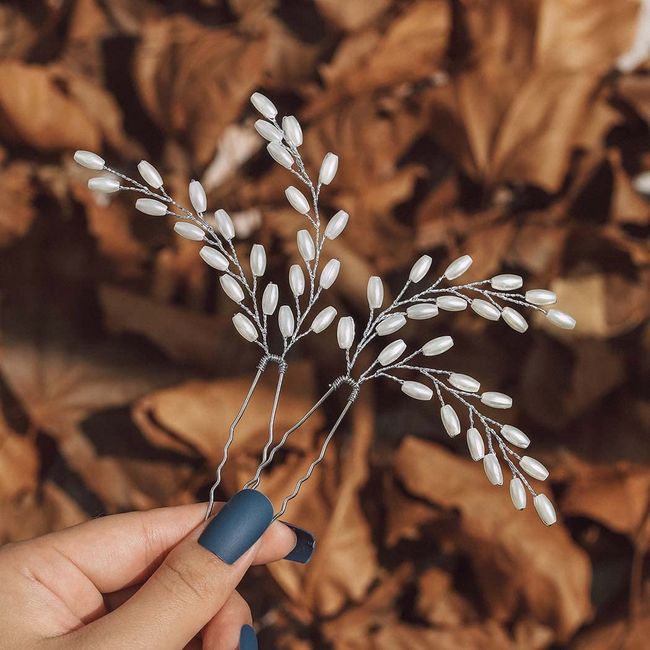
{"x":259,"y":310}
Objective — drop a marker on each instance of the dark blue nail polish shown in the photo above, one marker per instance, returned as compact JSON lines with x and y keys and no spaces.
{"x":238,"y":525}
{"x":305,"y":545}
{"x":247,"y":638}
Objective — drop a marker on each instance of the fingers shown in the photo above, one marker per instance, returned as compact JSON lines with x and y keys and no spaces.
{"x":232,"y":622}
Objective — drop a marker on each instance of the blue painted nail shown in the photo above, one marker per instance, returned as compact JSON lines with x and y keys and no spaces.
{"x":305,"y":545}
{"x":247,"y":638}
{"x":238,"y":525}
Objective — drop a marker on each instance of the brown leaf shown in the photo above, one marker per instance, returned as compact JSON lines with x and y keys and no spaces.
{"x":16,"y":210}
{"x":352,"y":15}
{"x":439,"y":604}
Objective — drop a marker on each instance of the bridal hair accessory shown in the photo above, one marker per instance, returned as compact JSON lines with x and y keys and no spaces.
{"x":300,"y":312}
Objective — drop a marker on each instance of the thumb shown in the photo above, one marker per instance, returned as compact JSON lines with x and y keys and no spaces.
{"x":192,"y":584}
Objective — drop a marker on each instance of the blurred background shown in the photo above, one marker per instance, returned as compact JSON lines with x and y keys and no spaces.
{"x":510,"y":130}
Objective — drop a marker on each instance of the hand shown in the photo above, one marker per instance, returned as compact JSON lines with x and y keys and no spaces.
{"x":142,"y":579}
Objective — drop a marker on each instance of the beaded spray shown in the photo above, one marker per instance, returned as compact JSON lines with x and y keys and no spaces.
{"x":485,"y":298}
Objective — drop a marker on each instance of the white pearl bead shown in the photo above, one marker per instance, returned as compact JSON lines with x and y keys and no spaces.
{"x":420,"y":268}
{"x":437,"y":346}
{"x":514,"y":319}
{"x":545,"y":509}
{"x":329,"y":273}
{"x":450,"y":420}
{"x":89,"y":160}
{"x":151,"y":206}
{"x":264,"y":105}
{"x":496,"y":400}
{"x":306,"y":246}
{"x":475,"y":444}
{"x":515,"y":436}
{"x":150,"y":174}
{"x":268,"y":131}
{"x":296,"y":280}
{"x":286,"y":321}
{"x":560,"y":319}
{"x":197,"y":196}
{"x":189,"y":231}
{"x":390,"y":325}
{"x":451,"y":303}
{"x":270,"y":299}
{"x":507,"y":282}
{"x":458,"y":267}
{"x":518,"y":494}
{"x":244,"y":327}
{"x":464,"y":382}
{"x":328,"y":168}
{"x":375,"y":292}
{"x":104,"y":184}
{"x":225,"y":224}
{"x":416,"y":390}
{"x":533,"y":468}
{"x":337,"y":224}
{"x":297,"y":199}
{"x":231,"y":288}
{"x":345,"y":332}
{"x":280,"y":154}
{"x":323,"y":320}
{"x":292,"y":130}
{"x":541,"y":297}
{"x":213,"y":258}
{"x":422,"y":311}
{"x":485,"y":309}
{"x":258,"y":260}
{"x":392,"y":352}
{"x":493,"y":469}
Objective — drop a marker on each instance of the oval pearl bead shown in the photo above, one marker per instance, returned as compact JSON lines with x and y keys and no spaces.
{"x":392,"y":352}
{"x":150,"y":174}
{"x":345,"y":332}
{"x":458,"y":267}
{"x":375,"y":292}
{"x":475,"y":444}
{"x":292,"y":130}
{"x":89,"y":160}
{"x":270,"y":299}
{"x":485,"y":309}
{"x":323,"y":320}
{"x":297,"y":199}
{"x":197,"y":196}
{"x":493,"y":469}
{"x":514,"y":319}
{"x":306,"y":245}
{"x":337,"y":224}
{"x":496,"y":400}
{"x":231,"y":288}
{"x":420,"y":268}
{"x":268,"y":131}
{"x":264,"y":105}
{"x":515,"y":436}
{"x":464,"y":382}
{"x":286,"y":321}
{"x":151,"y":207}
{"x":437,"y":346}
{"x":533,"y":468}
{"x":451,"y":303}
{"x":541,"y":297}
{"x":328,"y":168}
{"x":213,"y":258}
{"x":225,"y":224}
{"x":450,"y":420}
{"x":329,"y":273}
{"x":104,"y":184}
{"x":506,"y":282}
{"x":545,"y":509}
{"x":258,"y":260}
{"x":245,"y":328}
{"x":518,"y":494}
{"x":296,"y":280}
{"x":416,"y":390}
{"x":280,"y":154}
{"x":422,"y":311}
{"x":188,"y":231}
{"x":560,"y":319}
{"x":390,"y":324}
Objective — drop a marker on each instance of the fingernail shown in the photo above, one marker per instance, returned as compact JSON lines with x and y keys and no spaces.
{"x":238,"y":525}
{"x":247,"y":638}
{"x":305,"y":545}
